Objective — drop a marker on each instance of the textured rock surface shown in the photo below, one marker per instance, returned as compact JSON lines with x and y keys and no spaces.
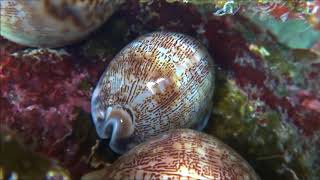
{"x":268,"y":103}
{"x":45,"y":97}
{"x":19,"y":162}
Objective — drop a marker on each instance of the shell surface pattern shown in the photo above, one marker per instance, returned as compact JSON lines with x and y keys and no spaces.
{"x":181,"y":154}
{"x":52,"y":23}
{"x":160,"y":81}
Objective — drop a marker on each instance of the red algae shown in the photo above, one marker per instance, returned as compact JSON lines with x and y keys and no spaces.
{"x":42,"y":95}
{"x":233,"y":46}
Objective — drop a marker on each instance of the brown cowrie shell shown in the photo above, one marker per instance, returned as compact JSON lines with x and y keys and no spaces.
{"x":158,"y":82}
{"x":179,"y":154}
{"x":52,"y":23}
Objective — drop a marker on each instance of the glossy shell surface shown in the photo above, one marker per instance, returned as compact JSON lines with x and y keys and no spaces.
{"x":181,"y":154}
{"x":52,"y":23}
{"x":164,"y":80}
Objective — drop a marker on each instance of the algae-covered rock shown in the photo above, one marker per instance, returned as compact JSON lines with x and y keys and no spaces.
{"x":19,"y":162}
{"x":266,"y":105}
{"x":45,"y":99}
{"x":275,"y":148}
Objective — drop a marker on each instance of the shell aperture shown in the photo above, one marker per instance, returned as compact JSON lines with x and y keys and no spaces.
{"x":160,"y":81}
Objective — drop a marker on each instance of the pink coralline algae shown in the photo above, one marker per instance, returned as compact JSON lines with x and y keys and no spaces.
{"x":43,"y":94}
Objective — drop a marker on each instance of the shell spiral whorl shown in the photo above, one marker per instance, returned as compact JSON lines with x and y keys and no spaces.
{"x":52,"y":23}
{"x":160,"y":81}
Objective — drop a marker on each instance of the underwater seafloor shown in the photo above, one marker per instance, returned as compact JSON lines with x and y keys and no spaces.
{"x":266,"y":102}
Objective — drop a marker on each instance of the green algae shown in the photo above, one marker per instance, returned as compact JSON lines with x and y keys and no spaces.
{"x":281,"y":61}
{"x":294,"y":6}
{"x":294,"y":33}
{"x":85,"y":85}
{"x":18,"y":161}
{"x":274,"y":148}
{"x":107,"y":40}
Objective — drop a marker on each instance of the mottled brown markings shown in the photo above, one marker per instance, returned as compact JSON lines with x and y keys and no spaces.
{"x":62,"y":12}
{"x":10,"y":12}
{"x":169,"y":48}
{"x":130,"y":95}
{"x":184,"y":158}
{"x":84,"y":19}
{"x":175,"y":105}
{"x":140,"y":69}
